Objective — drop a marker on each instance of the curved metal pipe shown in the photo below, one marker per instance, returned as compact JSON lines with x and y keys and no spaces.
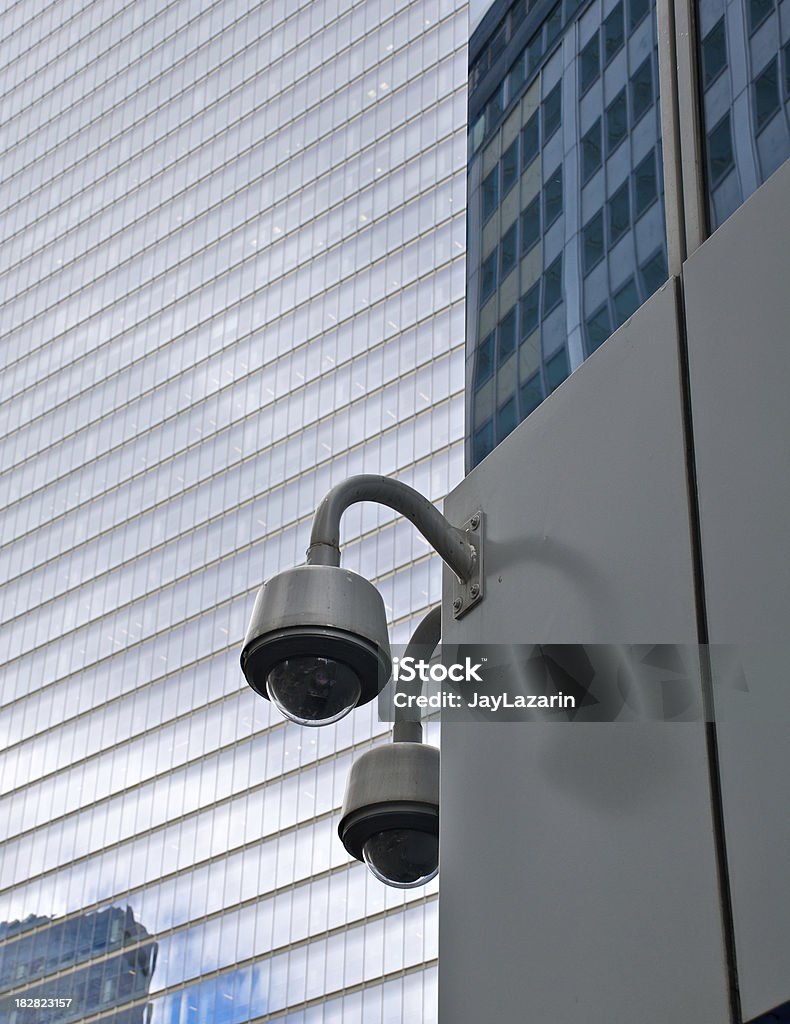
{"x":450,"y":543}
{"x":424,"y":641}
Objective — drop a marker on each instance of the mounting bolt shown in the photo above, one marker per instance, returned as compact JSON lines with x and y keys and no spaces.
{"x":474,"y":590}
{"x":457,"y":604}
{"x":474,"y":522}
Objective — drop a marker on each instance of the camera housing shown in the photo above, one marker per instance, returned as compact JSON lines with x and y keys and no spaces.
{"x":317,"y":643}
{"x":390,"y":814}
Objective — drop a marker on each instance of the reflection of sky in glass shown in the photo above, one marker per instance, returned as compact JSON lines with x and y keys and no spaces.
{"x":233,"y":275}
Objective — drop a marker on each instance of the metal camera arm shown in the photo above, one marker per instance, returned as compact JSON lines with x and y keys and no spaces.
{"x":423,"y":643}
{"x":454,"y":546}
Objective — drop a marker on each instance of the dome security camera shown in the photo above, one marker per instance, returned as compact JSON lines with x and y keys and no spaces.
{"x":390,"y":815}
{"x":317,"y":645}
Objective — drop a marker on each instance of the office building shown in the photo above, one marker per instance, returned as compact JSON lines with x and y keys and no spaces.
{"x":36,"y":949}
{"x":233,"y":275}
{"x":567,"y":231}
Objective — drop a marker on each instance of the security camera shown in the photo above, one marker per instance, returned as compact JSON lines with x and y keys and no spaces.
{"x":317,"y":645}
{"x":390,"y":815}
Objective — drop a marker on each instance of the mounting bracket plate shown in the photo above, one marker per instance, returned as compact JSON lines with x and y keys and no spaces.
{"x":467,"y":595}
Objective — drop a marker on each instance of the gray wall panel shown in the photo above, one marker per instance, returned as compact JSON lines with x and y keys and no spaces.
{"x":578,"y":866}
{"x":738,"y":312}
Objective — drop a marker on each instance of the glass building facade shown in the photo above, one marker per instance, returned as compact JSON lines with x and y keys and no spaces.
{"x":233,"y":275}
{"x":566,"y":221}
{"x":567,"y":233}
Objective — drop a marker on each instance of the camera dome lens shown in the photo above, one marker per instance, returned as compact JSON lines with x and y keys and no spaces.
{"x":402,"y":857}
{"x":313,"y":691}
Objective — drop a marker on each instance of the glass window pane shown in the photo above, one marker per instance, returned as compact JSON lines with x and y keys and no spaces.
{"x":483,"y":441}
{"x":553,"y":25}
{"x":766,"y":94}
{"x":506,"y":418}
{"x":786,"y":52}
{"x":758,"y":12}
{"x":637,"y":9}
{"x":592,"y":245}
{"x":613,"y":33}
{"x":552,"y":286}
{"x":720,"y":157}
{"x":552,"y":198}
{"x":530,"y":225}
{"x":645,"y":183}
{"x":590,"y":64}
{"x":557,"y":369}
{"x":552,"y":112}
{"x":485,"y":360}
{"x":507,"y":335}
{"x":509,"y":167}
{"x":530,"y":310}
{"x":531,"y":395}
{"x":642,"y":89}
{"x":714,"y":53}
{"x":654,"y":272}
{"x":509,"y":250}
{"x":530,"y":141}
{"x":490,"y":194}
{"x":591,"y":151}
{"x":515,"y":78}
{"x":535,"y":52}
{"x":494,"y":108}
{"x":488,"y":277}
{"x":619,"y":214}
{"x":616,"y":122}
{"x":626,"y":301}
{"x":599,"y":327}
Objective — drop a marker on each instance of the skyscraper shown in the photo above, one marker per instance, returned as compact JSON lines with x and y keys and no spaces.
{"x":567,"y":229}
{"x":233,"y":275}
{"x":567,"y":232}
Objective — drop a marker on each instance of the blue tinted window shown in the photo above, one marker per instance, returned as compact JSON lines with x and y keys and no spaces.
{"x":591,"y":151}
{"x":553,"y":25}
{"x":758,"y":12}
{"x":766,"y":94}
{"x":592,"y":241}
{"x":613,"y":33}
{"x":530,"y":310}
{"x":599,"y":327}
{"x":530,"y":141}
{"x":530,"y":225}
{"x":556,"y":369}
{"x":714,"y":53}
{"x":485,"y":360}
{"x":509,"y":250}
{"x":642,"y":89}
{"x":507,"y":335}
{"x":619,"y":214}
{"x":590,"y":64}
{"x":616,"y":122}
{"x":637,"y":9}
{"x":531,"y":395}
{"x":720,"y":156}
{"x":552,"y":112}
{"x":645,"y":183}
{"x":626,"y":301}
{"x":509,"y":167}
{"x":490,"y":193}
{"x":483,"y":441}
{"x":506,"y":418}
{"x":488,"y":277}
{"x":552,"y":198}
{"x":535,"y":52}
{"x":654,"y":272}
{"x":552,"y":286}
